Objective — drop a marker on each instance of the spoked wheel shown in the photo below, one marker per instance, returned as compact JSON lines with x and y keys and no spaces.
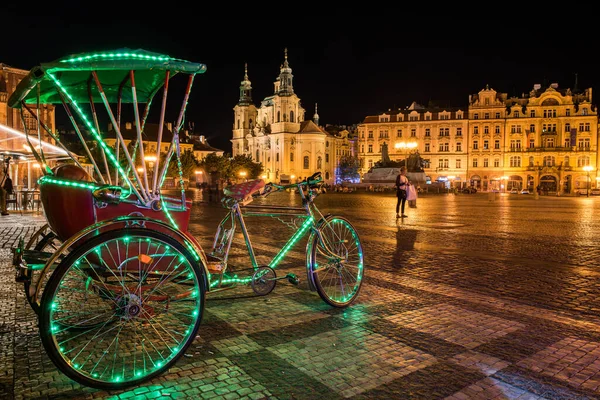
{"x":336,"y":262}
{"x":122,"y":308}
{"x":263,"y":280}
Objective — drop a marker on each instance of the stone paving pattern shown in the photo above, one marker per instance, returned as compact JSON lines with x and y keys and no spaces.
{"x":466,"y":298}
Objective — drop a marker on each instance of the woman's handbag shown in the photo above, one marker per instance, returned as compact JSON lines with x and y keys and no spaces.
{"x":411,"y":193}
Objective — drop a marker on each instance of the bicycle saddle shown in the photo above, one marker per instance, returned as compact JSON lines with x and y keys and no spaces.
{"x":242,"y":190}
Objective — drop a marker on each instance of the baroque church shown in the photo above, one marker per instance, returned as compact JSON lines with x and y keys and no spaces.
{"x":277,"y":135}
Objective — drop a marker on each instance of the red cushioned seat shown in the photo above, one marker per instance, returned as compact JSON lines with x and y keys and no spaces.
{"x":243,"y":190}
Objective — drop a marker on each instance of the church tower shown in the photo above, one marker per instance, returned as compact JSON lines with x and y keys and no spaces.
{"x":245,"y":115}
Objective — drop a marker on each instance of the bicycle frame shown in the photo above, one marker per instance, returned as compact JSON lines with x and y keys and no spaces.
{"x":308,"y":214}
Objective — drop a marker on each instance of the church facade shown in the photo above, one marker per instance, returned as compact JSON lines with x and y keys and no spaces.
{"x":277,"y":134}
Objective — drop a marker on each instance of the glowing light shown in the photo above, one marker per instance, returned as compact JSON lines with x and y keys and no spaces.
{"x":36,"y":165}
{"x":33,"y":139}
{"x":150,"y":158}
{"x":197,"y":172}
{"x":140,"y":169}
{"x":104,"y":56}
{"x":243,"y":173}
{"x":405,"y":145}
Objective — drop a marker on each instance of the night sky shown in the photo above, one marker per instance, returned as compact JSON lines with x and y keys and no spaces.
{"x":346,"y":65}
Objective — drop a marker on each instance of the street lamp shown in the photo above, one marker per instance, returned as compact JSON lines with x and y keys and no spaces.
{"x":406,"y":146}
{"x":587,"y":168}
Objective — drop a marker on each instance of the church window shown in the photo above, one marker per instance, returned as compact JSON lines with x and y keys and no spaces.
{"x":238,"y":124}
{"x":292,"y":116}
{"x":319,"y":162}
{"x":277,"y":157}
{"x":292,"y":157}
{"x":251,"y":123}
{"x":278,"y":116}
{"x":257,"y":153}
{"x":306,"y":162}
{"x":326,"y":158}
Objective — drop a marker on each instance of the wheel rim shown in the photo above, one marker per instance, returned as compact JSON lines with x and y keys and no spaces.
{"x":339,"y":278}
{"x":124,"y":309}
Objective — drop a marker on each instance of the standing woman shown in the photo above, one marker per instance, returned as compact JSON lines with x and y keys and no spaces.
{"x":402,"y":185}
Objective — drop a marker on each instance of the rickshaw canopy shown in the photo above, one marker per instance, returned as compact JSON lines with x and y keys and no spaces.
{"x":74,"y":72}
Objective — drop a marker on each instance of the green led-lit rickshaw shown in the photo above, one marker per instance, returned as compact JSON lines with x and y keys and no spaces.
{"x":116,"y":279}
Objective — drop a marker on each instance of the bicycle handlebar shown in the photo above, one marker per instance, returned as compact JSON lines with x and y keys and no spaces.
{"x":312,"y":182}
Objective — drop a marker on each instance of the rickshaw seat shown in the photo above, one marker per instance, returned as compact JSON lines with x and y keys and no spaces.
{"x":243,"y":190}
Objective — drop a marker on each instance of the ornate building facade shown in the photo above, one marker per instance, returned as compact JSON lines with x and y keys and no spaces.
{"x":277,"y":135}
{"x":547,"y":138}
{"x":438,"y":135}
{"x":23,"y":172}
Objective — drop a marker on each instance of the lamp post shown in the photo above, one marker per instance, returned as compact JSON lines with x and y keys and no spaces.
{"x":406,"y":146}
{"x":587,"y":168}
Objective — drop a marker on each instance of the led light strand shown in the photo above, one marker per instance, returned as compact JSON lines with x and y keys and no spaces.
{"x":307,"y":224}
{"x":130,"y":56}
{"x":96,"y":134}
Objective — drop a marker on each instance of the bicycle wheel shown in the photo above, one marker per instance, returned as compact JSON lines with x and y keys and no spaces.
{"x":122,"y":308}
{"x":49,"y":243}
{"x":337,"y":274}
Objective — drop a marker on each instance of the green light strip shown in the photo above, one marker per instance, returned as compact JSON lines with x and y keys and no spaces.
{"x":84,"y":185}
{"x":130,"y":56}
{"x":96,"y":134}
{"x":288,"y":246}
{"x":167,"y":213}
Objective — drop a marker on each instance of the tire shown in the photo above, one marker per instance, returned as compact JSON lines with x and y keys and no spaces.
{"x":122,"y":308}
{"x":337,"y":281}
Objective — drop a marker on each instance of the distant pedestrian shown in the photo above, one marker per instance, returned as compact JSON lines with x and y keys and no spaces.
{"x":402,"y":184}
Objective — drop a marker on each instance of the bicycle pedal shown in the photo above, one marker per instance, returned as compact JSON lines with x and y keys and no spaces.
{"x":293,"y":279}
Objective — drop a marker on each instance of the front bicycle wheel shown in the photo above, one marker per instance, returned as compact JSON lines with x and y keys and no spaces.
{"x":336,"y":262}
{"x":122,"y":308}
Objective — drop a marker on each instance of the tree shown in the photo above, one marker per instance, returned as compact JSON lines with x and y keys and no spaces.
{"x":243,"y":162}
{"x":347,"y":170}
{"x":189,"y":164}
{"x":215,"y":166}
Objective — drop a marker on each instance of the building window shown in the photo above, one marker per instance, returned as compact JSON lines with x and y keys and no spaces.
{"x":292,"y":157}
{"x":475,"y":130}
{"x":567,"y":161}
{"x":278,"y":116}
{"x":458,"y":131}
{"x":427,"y":132}
{"x":486,"y":115}
{"x":476,"y":116}
{"x":458,"y":163}
{"x":567,"y":142}
{"x":370,"y":148}
{"x":531,"y":161}
{"x":568,"y":112}
{"x":583,"y":161}
{"x":486,"y":145}
{"x":567,"y":127}
{"x":475,"y":162}
{"x":531,"y":128}
{"x":549,"y":161}
{"x":532,"y":113}
{"x":277,"y":157}
{"x":497,"y":115}
{"x":413,"y":132}
{"x":486,"y":129}
{"x":257,"y":154}
{"x":306,"y":162}
{"x":458,"y":146}
{"x":426,"y":147}
{"x":496,"y":144}
{"x":531,"y":143}
{"x":486,"y":163}
{"x":362,"y":148}
{"x":444,"y":147}
{"x":319,"y":163}
{"x":475,"y":145}
{"x":399,"y":133}
{"x":326,"y":158}
{"x":583,"y":143}
{"x":370,"y":134}
{"x":496,"y":162}
{"x":515,"y":161}
{"x":497,"y":129}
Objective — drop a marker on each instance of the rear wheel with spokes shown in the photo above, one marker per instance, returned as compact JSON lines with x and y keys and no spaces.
{"x":122,"y":308}
{"x":337,"y":262}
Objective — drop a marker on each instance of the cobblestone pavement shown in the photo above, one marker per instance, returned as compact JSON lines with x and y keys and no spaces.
{"x":467,"y":298}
